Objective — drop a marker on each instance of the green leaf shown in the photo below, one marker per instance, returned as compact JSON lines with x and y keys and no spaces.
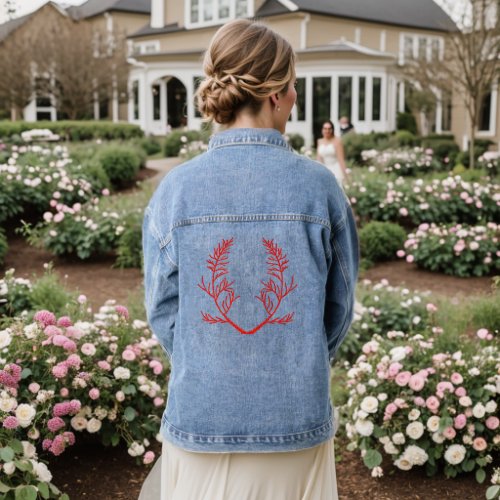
{"x":372,"y":459}
{"x":24,"y":465}
{"x":468,"y":465}
{"x":26,"y":373}
{"x":492,"y":492}
{"x":4,"y":488}
{"x":26,"y":493}
{"x":115,"y":439}
{"x":43,"y":488}
{"x":482,"y":461}
{"x":129,"y":414}
{"x":480,"y":476}
{"x":129,"y":389}
{"x":16,"y":445}
{"x":7,"y":454}
{"x":64,"y":497}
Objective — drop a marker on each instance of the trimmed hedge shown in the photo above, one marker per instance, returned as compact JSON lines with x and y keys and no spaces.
{"x":121,"y":164}
{"x":75,"y":130}
{"x":379,"y":241}
{"x":406,"y":121}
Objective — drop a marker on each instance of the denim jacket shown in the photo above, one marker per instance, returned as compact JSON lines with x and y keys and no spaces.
{"x":250,"y":262}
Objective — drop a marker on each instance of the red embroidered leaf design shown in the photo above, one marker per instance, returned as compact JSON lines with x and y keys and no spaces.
{"x":271,"y":295}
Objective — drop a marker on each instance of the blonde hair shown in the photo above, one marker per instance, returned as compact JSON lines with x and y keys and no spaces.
{"x":245,"y":63}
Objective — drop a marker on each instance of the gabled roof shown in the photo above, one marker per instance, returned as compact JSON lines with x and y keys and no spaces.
{"x":424,"y":14}
{"x":95,"y":7}
{"x":10,"y":26}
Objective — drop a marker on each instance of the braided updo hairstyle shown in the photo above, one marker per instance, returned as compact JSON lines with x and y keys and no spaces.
{"x":245,"y":63}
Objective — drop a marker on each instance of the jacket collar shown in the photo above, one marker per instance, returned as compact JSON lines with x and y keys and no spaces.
{"x":234,"y":136}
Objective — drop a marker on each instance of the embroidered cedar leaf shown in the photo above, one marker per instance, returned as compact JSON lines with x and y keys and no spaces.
{"x":210,"y":319}
{"x":288,"y":318}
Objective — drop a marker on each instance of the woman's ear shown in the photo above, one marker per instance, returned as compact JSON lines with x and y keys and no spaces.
{"x":275,"y":100}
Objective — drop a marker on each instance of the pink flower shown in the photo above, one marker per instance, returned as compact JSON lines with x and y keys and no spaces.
{"x":104,"y":365}
{"x":431,"y":308}
{"x":419,"y":401}
{"x":60,"y":370}
{"x":64,"y":321}
{"x":479,"y":444}
{"x":393,"y":369}
{"x":432,"y":403}
{"x":449,"y":433}
{"x":74,"y":406}
{"x":61,"y":409}
{"x":442,"y":387}
{"x":82,"y":299}
{"x":148,"y":458}
{"x":460,"y":392}
{"x":44,"y":317}
{"x":10,"y":422}
{"x":69,"y":346}
{"x":460,"y":421}
{"x":69,"y":437}
{"x":402,"y":378}
{"x":51,"y":330}
{"x":156,"y":366}
{"x":400,"y":253}
{"x":73,"y":332}
{"x":128,"y":355}
{"x":34,"y":387}
{"x":403,"y":211}
{"x":410,"y":259}
{"x":94,"y":393}
{"x":105,"y":192}
{"x":482,"y":333}
{"x":64,"y":392}
{"x":492,"y":423}
{"x":59,"y":340}
{"x":158,"y":401}
{"x":456,"y":378}
{"x":58,"y":445}
{"x":416,"y":383}
{"x":122,"y":311}
{"x":74,"y":360}
{"x":88,"y":349}
{"x":55,"y":423}
{"x":46,"y":444}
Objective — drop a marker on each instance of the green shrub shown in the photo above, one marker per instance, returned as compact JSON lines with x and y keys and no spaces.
{"x":380,"y":241}
{"x":120,"y":163}
{"x":75,"y":130}
{"x":406,"y":121}
{"x":94,"y":172}
{"x":129,"y":249}
{"x":296,"y":141}
{"x":443,"y":147}
{"x":176,"y":139}
{"x":151,"y":145}
{"x":486,"y":312}
{"x":405,"y":138}
{"x":354,"y":144}
{"x":4,"y":247}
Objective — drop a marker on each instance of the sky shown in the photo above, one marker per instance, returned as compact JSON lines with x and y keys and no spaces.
{"x":26,"y":6}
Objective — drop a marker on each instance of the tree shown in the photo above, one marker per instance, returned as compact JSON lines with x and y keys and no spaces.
{"x":469,"y":64}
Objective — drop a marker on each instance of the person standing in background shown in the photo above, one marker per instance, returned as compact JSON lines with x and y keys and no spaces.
{"x":330,"y":152}
{"x":346,"y":126}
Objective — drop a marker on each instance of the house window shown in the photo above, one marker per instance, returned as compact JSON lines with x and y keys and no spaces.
{"x":156,"y":101}
{"x":420,"y":47}
{"x":361,"y":98}
{"x":135,"y":99}
{"x":345,"y":96}
{"x":301,"y":99}
{"x":446,"y":111}
{"x":216,"y":11}
{"x":484,"y":121}
{"x":377,"y":98}
{"x":322,"y":91}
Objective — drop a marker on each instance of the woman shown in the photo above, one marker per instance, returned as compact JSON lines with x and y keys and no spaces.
{"x":250,"y":264}
{"x":331,"y":152}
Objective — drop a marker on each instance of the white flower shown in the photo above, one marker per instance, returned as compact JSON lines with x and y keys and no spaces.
{"x":416,"y":455}
{"x":364,"y":427}
{"x":377,"y":472}
{"x":479,"y":410}
{"x":438,"y":438}
{"x":94,"y":425}
{"x":34,"y":433}
{"x":29,"y":450}
{"x":390,"y":449}
{"x":136,"y":449}
{"x":384,"y":439}
{"x":9,"y":468}
{"x":382,"y":396}
{"x":7,"y":404}
{"x":465,"y":401}
{"x":399,"y":438}
{"x":79,"y":423}
{"x":397,"y":353}
{"x":41,"y":471}
{"x":415,"y":430}
{"x":414,"y":414}
{"x":121,"y":372}
{"x":474,"y":372}
{"x":25,"y":414}
{"x":490,"y":407}
{"x":467,"y":439}
{"x":369,"y":404}
{"x":5,"y":338}
{"x":361,"y":388}
{"x":403,"y":463}
{"x":433,"y":423}
{"x":455,"y":454}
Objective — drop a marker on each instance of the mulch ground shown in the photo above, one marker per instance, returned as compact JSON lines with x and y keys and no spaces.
{"x":91,"y":471}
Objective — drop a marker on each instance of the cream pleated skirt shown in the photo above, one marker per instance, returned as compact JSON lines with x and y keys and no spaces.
{"x":299,"y":475}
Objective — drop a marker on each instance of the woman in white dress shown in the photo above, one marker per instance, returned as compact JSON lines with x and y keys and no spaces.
{"x":331,"y":152}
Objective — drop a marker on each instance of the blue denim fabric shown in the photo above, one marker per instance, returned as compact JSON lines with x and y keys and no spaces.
{"x":250,"y":339}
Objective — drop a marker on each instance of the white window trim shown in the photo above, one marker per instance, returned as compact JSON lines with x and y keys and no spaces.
{"x":140,"y":47}
{"x":415,"y":37}
{"x":216,"y":20}
{"x":493,"y":114}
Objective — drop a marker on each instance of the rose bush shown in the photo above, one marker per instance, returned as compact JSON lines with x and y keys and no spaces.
{"x":422,"y":406}
{"x":459,"y":250}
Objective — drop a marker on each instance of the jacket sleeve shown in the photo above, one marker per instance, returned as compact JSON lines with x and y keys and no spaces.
{"x":341,"y":282}
{"x":161,"y":285}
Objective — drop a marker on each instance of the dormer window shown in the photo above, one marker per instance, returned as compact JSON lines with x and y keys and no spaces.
{"x":209,"y":12}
